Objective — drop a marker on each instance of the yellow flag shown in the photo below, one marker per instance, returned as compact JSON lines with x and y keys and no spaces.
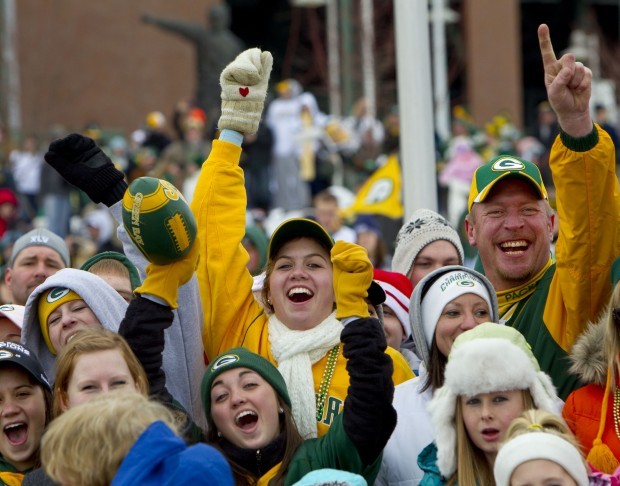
{"x":381,"y":193}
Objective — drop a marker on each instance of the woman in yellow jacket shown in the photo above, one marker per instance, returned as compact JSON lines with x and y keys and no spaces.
{"x":298,"y":329}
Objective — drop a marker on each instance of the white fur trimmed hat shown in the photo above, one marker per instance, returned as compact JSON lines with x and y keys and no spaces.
{"x":424,"y":227}
{"x":488,"y":358}
{"x":455,"y":280}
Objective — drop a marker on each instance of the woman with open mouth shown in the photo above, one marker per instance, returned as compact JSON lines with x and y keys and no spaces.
{"x":491,"y":378}
{"x":25,"y":410}
{"x":249,"y":407}
{"x":299,"y":328}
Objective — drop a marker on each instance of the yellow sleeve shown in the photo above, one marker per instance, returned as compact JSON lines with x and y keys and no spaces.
{"x":402,"y":370}
{"x":587,"y":199}
{"x":219,"y":206}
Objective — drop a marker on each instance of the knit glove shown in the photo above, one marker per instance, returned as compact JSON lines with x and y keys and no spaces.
{"x":244,"y":88}
{"x":352,"y":278}
{"x":78,"y":159}
{"x":163,"y":281}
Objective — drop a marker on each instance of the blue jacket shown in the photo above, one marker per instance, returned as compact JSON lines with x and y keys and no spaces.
{"x":427,"y":461}
{"x":160,"y":457}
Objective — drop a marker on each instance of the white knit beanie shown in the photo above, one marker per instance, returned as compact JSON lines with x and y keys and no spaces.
{"x":488,"y":358}
{"x":539,"y":445}
{"x":444,"y":290}
{"x":424,"y":227}
{"x":423,"y":324}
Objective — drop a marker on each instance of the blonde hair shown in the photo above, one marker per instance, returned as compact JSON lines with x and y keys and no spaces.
{"x":534,"y":420}
{"x":472,"y":465}
{"x":109,"y":266}
{"x":92,"y":341}
{"x":87,"y":444}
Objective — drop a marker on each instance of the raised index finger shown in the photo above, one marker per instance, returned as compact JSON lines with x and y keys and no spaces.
{"x":546,"y":49}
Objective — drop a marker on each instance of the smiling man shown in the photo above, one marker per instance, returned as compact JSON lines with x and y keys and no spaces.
{"x":511,"y":224}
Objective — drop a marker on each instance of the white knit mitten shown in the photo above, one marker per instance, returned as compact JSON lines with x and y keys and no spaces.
{"x":244,"y":88}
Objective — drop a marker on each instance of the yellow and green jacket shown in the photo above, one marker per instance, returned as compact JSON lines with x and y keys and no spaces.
{"x":552,"y":309}
{"x":232,"y":316}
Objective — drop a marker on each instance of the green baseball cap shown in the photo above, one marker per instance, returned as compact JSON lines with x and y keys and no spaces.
{"x":487,"y":175}
{"x":297,"y":228}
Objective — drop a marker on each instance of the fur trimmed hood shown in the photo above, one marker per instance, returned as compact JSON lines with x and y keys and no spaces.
{"x":488,"y":358}
{"x":587,"y":356}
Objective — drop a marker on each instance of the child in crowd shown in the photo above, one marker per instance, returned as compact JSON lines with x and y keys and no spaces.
{"x":539,"y":448}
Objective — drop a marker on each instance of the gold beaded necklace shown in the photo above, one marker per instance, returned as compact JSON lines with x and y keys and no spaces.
{"x":616,"y":409}
{"x":326,"y":380}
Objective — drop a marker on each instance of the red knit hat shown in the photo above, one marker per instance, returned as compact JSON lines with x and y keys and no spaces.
{"x":7,"y":196}
{"x":398,"y":291}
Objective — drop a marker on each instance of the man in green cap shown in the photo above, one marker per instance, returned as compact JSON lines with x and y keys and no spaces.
{"x":511,"y":224}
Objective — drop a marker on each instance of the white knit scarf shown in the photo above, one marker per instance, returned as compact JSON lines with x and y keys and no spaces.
{"x":295,"y":353}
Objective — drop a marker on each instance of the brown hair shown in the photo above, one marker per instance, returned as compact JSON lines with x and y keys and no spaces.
{"x":436,"y":368}
{"x":91,"y":341}
{"x":292,"y":441}
{"x":47,"y":403}
{"x":269,"y":270}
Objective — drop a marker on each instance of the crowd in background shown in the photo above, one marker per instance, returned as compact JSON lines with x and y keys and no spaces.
{"x":297,"y":341}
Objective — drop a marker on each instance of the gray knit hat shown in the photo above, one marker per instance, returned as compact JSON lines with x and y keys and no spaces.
{"x":464,"y":279}
{"x":424,"y":227}
{"x":41,"y":237}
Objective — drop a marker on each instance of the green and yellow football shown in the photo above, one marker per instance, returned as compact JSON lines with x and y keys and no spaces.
{"x":158,"y":219}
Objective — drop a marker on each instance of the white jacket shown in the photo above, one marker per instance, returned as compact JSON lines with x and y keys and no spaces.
{"x":412,"y":434}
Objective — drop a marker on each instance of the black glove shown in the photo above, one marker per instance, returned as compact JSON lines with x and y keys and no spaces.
{"x":78,"y":159}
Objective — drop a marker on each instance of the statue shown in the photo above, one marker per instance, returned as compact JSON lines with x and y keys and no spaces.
{"x":215,"y":45}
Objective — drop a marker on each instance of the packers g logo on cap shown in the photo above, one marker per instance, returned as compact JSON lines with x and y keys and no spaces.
{"x":508,"y":163}
{"x":465,"y":283}
{"x":6,"y":308}
{"x":224,"y":361}
{"x":57,"y":294}
{"x":4,"y":354}
{"x":487,"y":175}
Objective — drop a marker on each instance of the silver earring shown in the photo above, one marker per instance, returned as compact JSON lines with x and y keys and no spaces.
{"x":269,"y":301}
{"x":219,"y":434}
{"x":281,"y":410}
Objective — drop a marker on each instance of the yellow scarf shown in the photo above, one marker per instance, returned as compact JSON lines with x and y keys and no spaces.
{"x":11,"y":478}
{"x":508,"y":300}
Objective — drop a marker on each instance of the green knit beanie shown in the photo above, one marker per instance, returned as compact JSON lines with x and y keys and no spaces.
{"x":134,"y":276}
{"x":241,"y":358}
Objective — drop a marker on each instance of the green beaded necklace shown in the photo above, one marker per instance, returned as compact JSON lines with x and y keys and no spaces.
{"x":326,"y":380}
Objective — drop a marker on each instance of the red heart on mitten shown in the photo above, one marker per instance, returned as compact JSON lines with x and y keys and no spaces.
{"x":244,"y":91}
